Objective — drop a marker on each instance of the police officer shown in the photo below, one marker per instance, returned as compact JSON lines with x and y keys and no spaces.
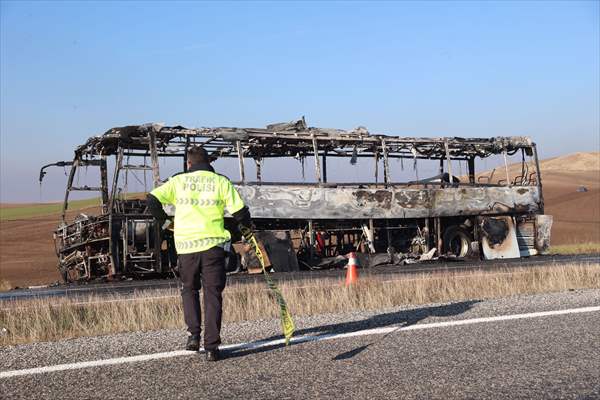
{"x":200,"y":197}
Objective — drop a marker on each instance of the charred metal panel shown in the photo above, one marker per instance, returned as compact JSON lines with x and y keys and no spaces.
{"x":543,"y":226}
{"x":291,"y":201}
{"x":499,"y":238}
{"x":526,"y":237}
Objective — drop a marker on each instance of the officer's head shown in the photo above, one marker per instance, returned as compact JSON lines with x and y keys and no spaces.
{"x":197,"y":155}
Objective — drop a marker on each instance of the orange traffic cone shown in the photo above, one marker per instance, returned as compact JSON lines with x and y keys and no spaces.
{"x":352,"y":269}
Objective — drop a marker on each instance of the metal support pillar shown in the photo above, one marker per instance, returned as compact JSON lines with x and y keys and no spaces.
{"x":325,"y":166}
{"x":438,"y":229}
{"x":185,"y":155}
{"x":388,"y":233}
{"x":376,"y":155}
{"x":441,"y":172}
{"x":471,"y":166}
{"x":258,"y":163}
{"x":153,"y":158}
{"x":427,"y":235}
{"x":311,"y":239}
{"x":450,"y":177}
{"x":386,"y":164}
{"x":506,"y":167}
{"x":69,"y":185}
{"x":104,"y":184}
{"x":113,"y":192}
{"x":539,"y":177}
{"x":317,"y":163}
{"x":240,"y":152}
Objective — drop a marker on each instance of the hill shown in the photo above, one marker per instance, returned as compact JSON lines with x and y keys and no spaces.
{"x":587,"y":162}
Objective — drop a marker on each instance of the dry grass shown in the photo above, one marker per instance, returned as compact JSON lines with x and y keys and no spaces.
{"x":575,"y":248}
{"x":53,"y":319}
{"x":5,"y":285}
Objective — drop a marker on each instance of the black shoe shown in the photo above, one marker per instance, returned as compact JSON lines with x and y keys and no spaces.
{"x":213,"y":355}
{"x":193,"y":343}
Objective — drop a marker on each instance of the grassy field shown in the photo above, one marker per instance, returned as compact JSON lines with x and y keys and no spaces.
{"x":37,"y":210}
{"x":54,"y":319}
{"x":576,"y":248}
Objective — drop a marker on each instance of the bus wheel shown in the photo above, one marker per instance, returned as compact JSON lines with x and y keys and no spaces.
{"x":457,"y":241}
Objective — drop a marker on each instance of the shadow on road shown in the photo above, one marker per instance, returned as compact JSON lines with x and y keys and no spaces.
{"x":400,"y":319}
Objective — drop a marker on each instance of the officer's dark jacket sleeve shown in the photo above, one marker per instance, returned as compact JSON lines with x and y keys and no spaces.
{"x":155,"y":208}
{"x":242,"y":217}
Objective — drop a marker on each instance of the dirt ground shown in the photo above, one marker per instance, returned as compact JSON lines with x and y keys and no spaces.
{"x":27,"y":255}
{"x":27,"y":249}
{"x":576,"y":214}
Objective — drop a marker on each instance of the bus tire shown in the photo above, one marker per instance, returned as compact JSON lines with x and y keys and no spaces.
{"x":457,"y":241}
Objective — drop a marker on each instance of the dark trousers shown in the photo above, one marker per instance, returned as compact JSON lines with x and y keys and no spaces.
{"x":207,"y":269}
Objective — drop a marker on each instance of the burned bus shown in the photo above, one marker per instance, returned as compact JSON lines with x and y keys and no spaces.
{"x":457,"y":211}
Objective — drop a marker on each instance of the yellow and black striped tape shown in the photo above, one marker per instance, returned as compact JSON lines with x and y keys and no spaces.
{"x":287,"y":323}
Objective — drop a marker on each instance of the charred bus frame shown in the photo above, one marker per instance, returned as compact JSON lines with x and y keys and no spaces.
{"x":311,"y":225}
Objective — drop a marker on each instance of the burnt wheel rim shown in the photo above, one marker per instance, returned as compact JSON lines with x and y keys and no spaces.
{"x":458,"y":245}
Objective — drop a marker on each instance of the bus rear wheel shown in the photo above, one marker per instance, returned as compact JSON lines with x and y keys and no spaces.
{"x":457,"y":241}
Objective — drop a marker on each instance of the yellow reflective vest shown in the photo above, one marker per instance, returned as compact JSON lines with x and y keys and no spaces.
{"x":200,"y":198}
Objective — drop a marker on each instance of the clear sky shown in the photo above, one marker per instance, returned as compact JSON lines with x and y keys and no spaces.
{"x":70,"y":70}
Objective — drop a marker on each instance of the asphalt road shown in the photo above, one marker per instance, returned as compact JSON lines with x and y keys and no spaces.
{"x":460,"y":350}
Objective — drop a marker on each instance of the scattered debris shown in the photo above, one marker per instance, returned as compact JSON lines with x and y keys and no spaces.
{"x":428,"y":256}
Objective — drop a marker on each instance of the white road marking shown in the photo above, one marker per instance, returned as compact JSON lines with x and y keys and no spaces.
{"x":298,"y":339}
